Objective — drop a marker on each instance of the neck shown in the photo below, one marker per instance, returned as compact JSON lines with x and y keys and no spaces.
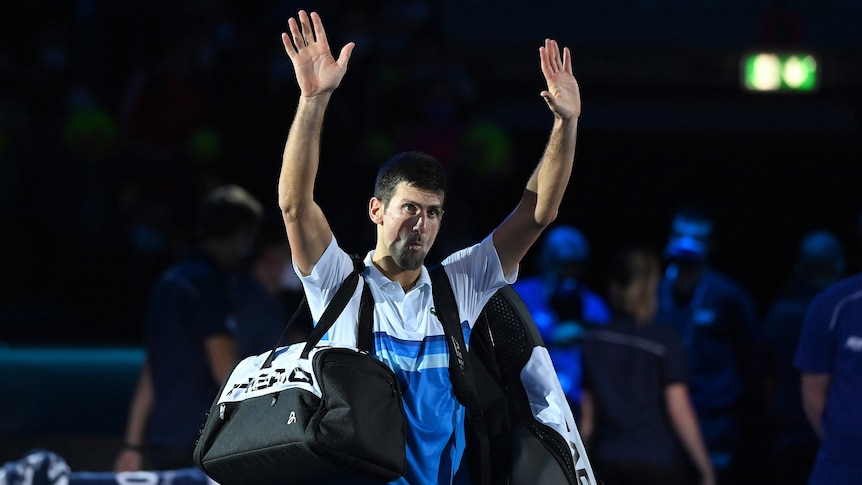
{"x":406,"y":278}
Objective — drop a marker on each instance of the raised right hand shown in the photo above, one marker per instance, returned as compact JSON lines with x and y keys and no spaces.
{"x":317,"y":72}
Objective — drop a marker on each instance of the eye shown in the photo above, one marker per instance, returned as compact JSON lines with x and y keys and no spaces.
{"x":434,"y":213}
{"x":411,"y":209}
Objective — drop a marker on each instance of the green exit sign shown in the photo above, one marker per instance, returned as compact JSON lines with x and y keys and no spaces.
{"x":771,"y":71}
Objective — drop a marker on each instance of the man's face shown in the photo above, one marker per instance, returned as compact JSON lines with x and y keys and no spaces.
{"x":409,"y":224}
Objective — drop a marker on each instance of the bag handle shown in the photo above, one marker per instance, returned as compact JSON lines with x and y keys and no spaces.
{"x":459,"y":372}
{"x":330,"y":314}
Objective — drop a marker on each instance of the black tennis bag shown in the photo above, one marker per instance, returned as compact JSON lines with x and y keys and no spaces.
{"x":308,"y":414}
{"x":506,"y":442}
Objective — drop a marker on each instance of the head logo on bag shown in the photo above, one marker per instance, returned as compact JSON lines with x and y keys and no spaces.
{"x":249,"y":379}
{"x":299,"y":375}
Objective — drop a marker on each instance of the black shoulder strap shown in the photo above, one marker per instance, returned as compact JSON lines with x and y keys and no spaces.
{"x":364,"y":331}
{"x":459,"y":372}
{"x":365,"y":328}
{"x":336,"y":306}
{"x":303,"y":304}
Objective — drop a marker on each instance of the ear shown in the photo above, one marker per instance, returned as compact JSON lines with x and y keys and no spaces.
{"x":375,"y":210}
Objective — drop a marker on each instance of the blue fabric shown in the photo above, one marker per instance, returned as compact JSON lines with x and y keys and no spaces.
{"x":781,"y":331}
{"x":38,"y":467}
{"x":831,"y":343}
{"x":182,"y":476}
{"x":260,"y":317}
{"x":832,"y":471}
{"x":189,"y":303}
{"x":562,"y":337}
{"x":627,"y":370}
{"x":716,"y":326}
{"x":43,"y":467}
{"x":409,"y":338}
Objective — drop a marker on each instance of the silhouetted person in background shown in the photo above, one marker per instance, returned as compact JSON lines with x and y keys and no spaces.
{"x":829,"y":358}
{"x":792,"y":442}
{"x":268,"y":292}
{"x":637,"y":419}
{"x":562,"y":305}
{"x":717,"y":321}
{"x":190,"y":334}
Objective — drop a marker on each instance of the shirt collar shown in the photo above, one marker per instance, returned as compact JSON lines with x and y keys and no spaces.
{"x":384,"y":283}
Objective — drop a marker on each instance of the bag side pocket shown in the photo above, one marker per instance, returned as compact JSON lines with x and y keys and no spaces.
{"x":361,"y":425}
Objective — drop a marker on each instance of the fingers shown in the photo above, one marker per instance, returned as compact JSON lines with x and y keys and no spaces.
{"x":562,"y":93}
{"x":553,"y":50}
{"x":553,"y":53}
{"x":307,"y":30}
{"x":567,"y":60}
{"x":319,"y":31}
{"x":295,"y":36}
{"x":547,"y":70}
{"x":344,"y":56}
{"x":550,"y":58}
{"x":288,"y":45}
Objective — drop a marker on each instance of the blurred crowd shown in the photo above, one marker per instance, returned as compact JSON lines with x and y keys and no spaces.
{"x":116,"y":118}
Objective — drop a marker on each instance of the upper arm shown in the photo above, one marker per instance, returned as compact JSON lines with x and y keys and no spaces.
{"x":308,"y":234}
{"x":677,"y":400}
{"x":680,"y":409}
{"x":815,"y":388}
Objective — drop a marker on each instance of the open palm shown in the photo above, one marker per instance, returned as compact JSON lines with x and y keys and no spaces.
{"x":563,"y":94}
{"x":317,"y":71}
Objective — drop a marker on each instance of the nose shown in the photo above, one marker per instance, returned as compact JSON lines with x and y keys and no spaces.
{"x":421,"y":223}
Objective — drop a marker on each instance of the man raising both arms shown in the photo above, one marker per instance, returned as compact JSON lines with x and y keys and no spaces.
{"x":407,"y":209}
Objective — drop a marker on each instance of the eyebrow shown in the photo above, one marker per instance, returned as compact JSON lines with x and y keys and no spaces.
{"x":419,"y":204}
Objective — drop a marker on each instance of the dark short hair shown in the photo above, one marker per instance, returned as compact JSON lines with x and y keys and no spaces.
{"x":418,"y":169}
{"x":226,"y":210}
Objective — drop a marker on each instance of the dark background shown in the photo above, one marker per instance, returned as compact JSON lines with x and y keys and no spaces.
{"x":116,"y":118}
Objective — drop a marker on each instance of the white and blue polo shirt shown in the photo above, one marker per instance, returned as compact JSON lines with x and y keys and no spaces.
{"x":410,"y":339}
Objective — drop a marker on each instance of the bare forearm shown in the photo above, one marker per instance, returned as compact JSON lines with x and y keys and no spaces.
{"x":587,"y":422}
{"x":551,"y":176}
{"x":541,"y":199}
{"x":307,"y":229}
{"x":302,"y":154}
{"x":140,"y":409}
{"x":685,"y":424}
